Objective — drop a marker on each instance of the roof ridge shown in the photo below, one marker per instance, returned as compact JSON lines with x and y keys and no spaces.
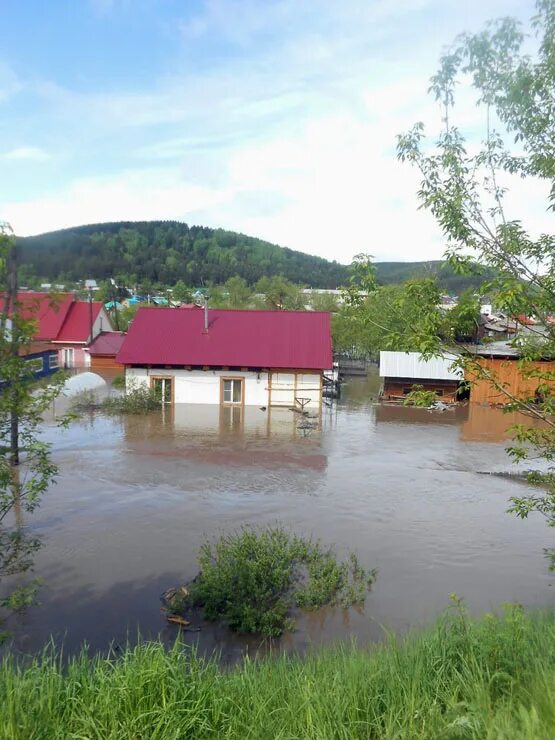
{"x":234,"y":310}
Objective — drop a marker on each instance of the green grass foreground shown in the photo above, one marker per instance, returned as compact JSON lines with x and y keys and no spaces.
{"x":492,"y":678}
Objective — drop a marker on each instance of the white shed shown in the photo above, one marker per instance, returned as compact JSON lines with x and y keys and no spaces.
{"x":412,"y":365}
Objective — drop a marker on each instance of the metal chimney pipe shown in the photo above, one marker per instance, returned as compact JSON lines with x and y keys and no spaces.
{"x":206,"y":314}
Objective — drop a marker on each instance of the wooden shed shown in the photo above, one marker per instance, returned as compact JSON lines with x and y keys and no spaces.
{"x":104,"y":349}
{"x":402,"y":371}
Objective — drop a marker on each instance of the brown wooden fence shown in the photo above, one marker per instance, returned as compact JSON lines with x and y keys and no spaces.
{"x":510,"y":376}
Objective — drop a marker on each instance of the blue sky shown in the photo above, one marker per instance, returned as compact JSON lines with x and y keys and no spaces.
{"x":272,"y":117}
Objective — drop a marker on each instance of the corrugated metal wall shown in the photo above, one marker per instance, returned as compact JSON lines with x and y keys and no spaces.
{"x":411,"y":365}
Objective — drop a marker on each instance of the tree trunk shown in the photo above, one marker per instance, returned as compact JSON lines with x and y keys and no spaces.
{"x":14,"y":338}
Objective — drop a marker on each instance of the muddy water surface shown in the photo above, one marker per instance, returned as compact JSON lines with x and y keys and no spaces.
{"x":403,"y":487}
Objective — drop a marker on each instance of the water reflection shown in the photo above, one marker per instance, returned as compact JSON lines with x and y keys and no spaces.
{"x":228,"y":436}
{"x":18,"y":547}
{"x":477,"y":423}
{"x":400,"y":414}
{"x":489,"y":424}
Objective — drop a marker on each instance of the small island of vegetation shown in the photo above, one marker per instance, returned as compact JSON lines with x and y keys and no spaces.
{"x":251,"y":579}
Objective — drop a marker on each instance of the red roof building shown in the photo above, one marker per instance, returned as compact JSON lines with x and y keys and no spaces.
{"x":107,"y":344}
{"x":48,"y":311}
{"x":284,"y":339}
{"x":240,"y":357}
{"x":69,"y":325}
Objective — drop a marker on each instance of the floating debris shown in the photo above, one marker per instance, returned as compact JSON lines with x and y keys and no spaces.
{"x":177,"y":619}
{"x":174,"y":602}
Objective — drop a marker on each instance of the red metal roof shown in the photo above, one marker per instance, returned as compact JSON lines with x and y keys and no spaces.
{"x":59,"y":318}
{"x":272,"y":339}
{"x":107,"y":344}
{"x":77,"y":325}
{"x":525,"y":320}
{"x":48,"y":311}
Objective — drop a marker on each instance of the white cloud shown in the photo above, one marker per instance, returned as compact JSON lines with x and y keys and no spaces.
{"x":327,"y":189}
{"x":291,"y":137}
{"x":26,"y":153}
{"x":133,"y":195}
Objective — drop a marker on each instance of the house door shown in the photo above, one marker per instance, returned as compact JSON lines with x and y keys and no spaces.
{"x":69,"y":359}
{"x":163,"y":388}
{"x":232,"y":391}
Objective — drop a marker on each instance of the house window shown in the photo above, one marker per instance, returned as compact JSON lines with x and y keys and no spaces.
{"x":439,"y":391}
{"x":35,"y":364}
{"x":163,"y":388}
{"x":53,"y":362}
{"x":232,"y":391}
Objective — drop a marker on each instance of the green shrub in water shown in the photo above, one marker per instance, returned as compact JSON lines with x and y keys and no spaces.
{"x":119,"y":382}
{"x":139,"y":400}
{"x":251,"y":579}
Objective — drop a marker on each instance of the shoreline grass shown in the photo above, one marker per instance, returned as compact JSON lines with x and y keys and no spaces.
{"x":463,"y":678}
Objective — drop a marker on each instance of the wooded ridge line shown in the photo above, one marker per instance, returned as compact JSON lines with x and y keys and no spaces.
{"x":164,"y":252}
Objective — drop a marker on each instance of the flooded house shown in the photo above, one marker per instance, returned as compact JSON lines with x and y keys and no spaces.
{"x":229,"y":357}
{"x":66,"y":325}
{"x":103,"y":350}
{"x":401,"y":371}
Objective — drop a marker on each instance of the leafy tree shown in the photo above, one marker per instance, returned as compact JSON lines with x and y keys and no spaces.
{"x":279,"y":294}
{"x":388,"y":318}
{"x":26,"y":468}
{"x":324,"y":302}
{"x":375,"y":317}
{"x":464,"y":186}
{"x":462,"y":322}
{"x":362,"y":280}
{"x":181,"y":292}
{"x":237,"y":291}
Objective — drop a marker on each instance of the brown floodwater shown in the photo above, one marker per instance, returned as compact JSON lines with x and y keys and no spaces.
{"x":403,"y":487}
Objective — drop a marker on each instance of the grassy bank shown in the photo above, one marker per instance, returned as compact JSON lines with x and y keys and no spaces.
{"x":493,"y":678}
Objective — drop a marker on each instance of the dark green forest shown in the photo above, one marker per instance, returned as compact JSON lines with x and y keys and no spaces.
{"x":165,"y":252}
{"x":390,"y":273}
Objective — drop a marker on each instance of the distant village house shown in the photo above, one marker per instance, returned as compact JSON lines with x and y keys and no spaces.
{"x":65,"y":326}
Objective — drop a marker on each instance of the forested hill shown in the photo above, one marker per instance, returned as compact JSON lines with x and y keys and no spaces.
{"x":167,"y":251}
{"x":450,"y":281}
{"x":163,"y":252}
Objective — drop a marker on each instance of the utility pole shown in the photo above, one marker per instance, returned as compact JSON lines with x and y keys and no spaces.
{"x":115,"y":298}
{"x":90,"y":317}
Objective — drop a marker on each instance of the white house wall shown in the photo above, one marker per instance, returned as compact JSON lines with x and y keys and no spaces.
{"x":102,"y":323}
{"x":288,"y":386}
{"x":411,"y":365}
{"x":203,"y":386}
